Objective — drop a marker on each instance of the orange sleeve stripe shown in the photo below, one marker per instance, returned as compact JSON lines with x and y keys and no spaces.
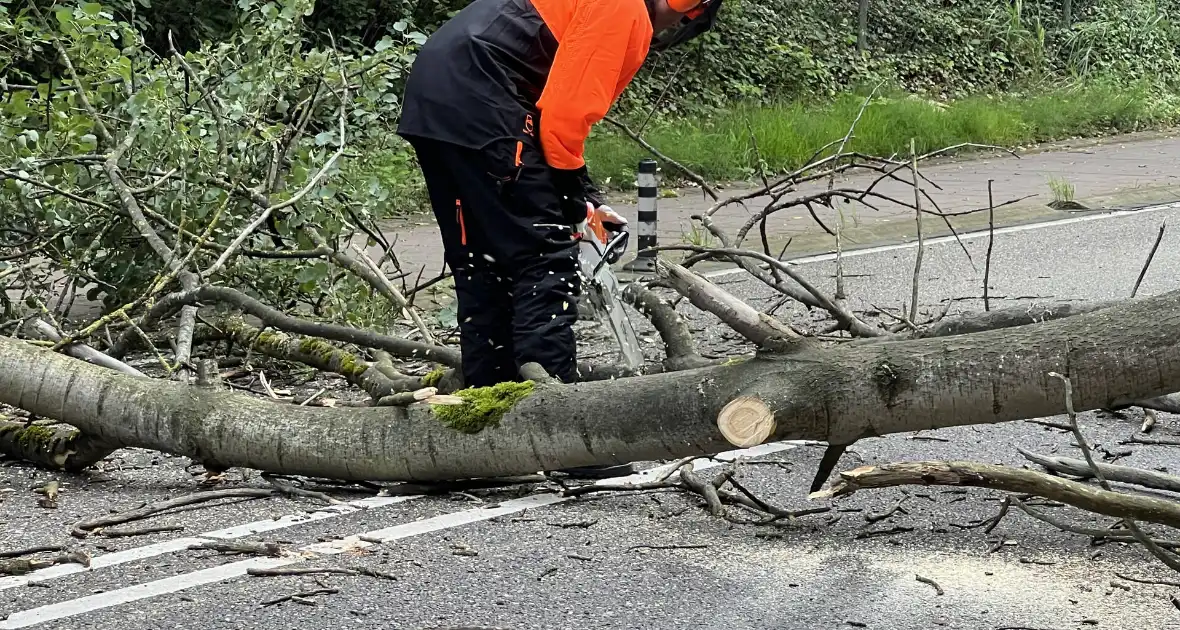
{"x":601,"y":45}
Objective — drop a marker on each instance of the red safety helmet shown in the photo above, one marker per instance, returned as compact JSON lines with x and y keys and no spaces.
{"x":699,"y":17}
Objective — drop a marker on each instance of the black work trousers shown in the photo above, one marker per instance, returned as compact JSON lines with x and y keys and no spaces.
{"x":512,"y":254}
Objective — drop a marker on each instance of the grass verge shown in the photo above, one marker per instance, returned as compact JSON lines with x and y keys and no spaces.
{"x":720,"y":148}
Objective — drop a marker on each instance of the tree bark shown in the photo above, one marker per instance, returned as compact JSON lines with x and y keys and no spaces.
{"x":1123,"y":474}
{"x":1010,"y":318}
{"x":839,"y":395}
{"x":862,"y":26}
{"x":63,"y":449}
{"x":1135,"y":506}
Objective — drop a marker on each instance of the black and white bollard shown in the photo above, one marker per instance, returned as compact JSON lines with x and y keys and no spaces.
{"x":646,"y":225}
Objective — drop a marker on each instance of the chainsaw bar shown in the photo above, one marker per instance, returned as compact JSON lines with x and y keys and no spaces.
{"x":601,"y":288}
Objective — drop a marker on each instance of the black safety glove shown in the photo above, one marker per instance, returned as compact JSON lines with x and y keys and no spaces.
{"x":575,"y":189}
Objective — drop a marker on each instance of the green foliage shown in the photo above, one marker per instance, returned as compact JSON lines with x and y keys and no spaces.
{"x":483,"y":406}
{"x":1062,"y":189}
{"x":788,"y":134}
{"x":258,"y":111}
{"x":768,"y":51}
{"x":1135,"y":39}
{"x":771,"y":50}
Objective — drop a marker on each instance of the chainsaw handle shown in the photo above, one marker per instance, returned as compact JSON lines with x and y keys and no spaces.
{"x":618,"y":242}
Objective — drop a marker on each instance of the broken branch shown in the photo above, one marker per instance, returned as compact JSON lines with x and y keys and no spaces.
{"x":960,"y":473}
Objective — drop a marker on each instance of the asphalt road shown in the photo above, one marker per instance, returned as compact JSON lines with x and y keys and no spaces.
{"x":523,"y":558}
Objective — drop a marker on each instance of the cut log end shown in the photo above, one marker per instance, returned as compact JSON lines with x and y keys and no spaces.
{"x":746,"y":421}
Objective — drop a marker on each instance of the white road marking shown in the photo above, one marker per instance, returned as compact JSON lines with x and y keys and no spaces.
{"x":154,"y":588}
{"x":965,"y":236}
{"x":171,"y":546}
{"x":98,"y":562}
{"x":145,"y":590}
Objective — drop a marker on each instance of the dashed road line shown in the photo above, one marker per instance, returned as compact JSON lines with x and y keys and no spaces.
{"x":179,"y":544}
{"x":184,"y":581}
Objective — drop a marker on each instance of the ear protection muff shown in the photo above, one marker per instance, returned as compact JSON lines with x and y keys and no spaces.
{"x":699,"y":17}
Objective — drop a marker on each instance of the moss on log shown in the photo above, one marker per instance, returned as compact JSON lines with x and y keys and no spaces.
{"x":483,"y":406}
{"x":59,"y":449}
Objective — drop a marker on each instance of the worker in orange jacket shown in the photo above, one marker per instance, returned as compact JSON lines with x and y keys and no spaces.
{"x":498,"y":106}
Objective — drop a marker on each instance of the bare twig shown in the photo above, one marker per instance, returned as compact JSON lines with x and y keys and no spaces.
{"x":707,"y":490}
{"x":803,"y":297}
{"x":273,"y":550}
{"x":28,"y":551}
{"x":1123,"y":474}
{"x":1147,"y":263}
{"x":1150,"y":440}
{"x":963,"y":473}
{"x":925,"y":580}
{"x":1124,"y":576}
{"x":689,"y":173}
{"x":871,"y":533}
{"x":83,"y":351}
{"x":1164,"y":556}
{"x":84,"y":528}
{"x":636,"y":547}
{"x":840,"y":295}
{"x":300,"y":596}
{"x":292,"y":491}
{"x":1098,"y":535}
{"x":873,"y":518}
{"x":921,"y":240}
{"x":286,"y":571}
{"x":991,"y":237}
{"x":139,"y":531}
{"x":398,"y":298}
{"x":841,"y":314}
{"x":21,"y":566}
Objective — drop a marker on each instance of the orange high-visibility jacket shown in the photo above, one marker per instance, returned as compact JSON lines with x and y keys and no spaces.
{"x":500,"y":67}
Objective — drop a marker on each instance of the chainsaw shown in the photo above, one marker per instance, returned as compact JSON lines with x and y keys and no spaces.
{"x":601,"y":243}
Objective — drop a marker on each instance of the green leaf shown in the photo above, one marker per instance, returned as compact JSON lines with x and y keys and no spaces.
{"x":123,"y":67}
{"x":313,"y":273}
{"x":325,"y":138}
{"x":448,"y":316}
{"x":384,"y":43}
{"x":91,"y":9}
{"x":64,"y":16}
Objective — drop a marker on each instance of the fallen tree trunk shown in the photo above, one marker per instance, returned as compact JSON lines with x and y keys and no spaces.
{"x":839,"y":395}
